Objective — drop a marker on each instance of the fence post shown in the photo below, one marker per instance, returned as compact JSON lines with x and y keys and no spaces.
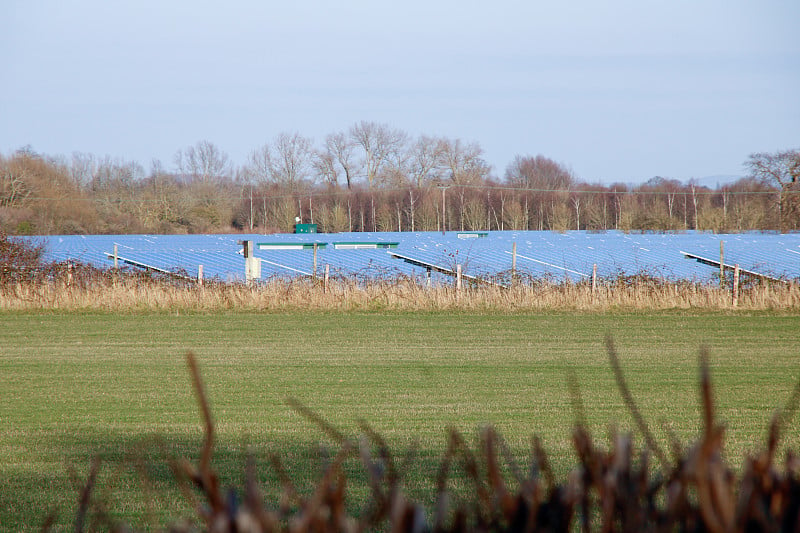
{"x":514,"y":262}
{"x":736,"y":285}
{"x":721,"y":263}
{"x":327,"y":277}
{"x":116,"y":257}
{"x":315,"y":261}
{"x":458,"y":277}
{"x":200,"y":275}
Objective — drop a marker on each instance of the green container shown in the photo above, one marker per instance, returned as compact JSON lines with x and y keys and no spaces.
{"x":305,"y":228}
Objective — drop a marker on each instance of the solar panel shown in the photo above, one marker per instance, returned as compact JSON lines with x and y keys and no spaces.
{"x":571,"y":254}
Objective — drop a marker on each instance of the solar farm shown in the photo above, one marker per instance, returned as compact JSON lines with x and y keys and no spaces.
{"x":97,"y":370}
{"x":434,"y":257}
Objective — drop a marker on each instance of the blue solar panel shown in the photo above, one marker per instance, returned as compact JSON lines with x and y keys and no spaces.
{"x":539,"y":253}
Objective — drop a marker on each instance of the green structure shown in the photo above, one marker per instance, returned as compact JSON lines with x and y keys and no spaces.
{"x":305,"y":228}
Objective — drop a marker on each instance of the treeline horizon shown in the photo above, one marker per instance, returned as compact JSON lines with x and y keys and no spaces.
{"x":373,"y":178}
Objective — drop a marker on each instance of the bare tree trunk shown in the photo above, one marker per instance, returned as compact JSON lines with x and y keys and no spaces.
{"x":372,"y":201}
{"x":685,"y":213}
{"x":502,"y":212}
{"x":527,"y":216}
{"x":399,"y":218}
{"x":411,"y":207}
{"x":670,"y":203}
{"x":251,"y":209}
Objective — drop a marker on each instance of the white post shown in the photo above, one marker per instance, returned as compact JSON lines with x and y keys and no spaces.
{"x":116,"y":257}
{"x":200,"y":275}
{"x":458,"y":277}
{"x":594,"y":278}
{"x":327,"y":277}
{"x":514,"y":262}
{"x":252,"y":266}
{"x":315,"y":261}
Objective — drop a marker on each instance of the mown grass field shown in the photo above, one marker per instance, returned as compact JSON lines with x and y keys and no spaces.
{"x":75,"y":385}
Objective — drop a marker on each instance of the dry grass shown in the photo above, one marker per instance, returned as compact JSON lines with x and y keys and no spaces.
{"x":132,"y":292}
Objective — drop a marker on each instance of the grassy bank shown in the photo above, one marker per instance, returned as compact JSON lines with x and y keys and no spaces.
{"x":76,"y":385}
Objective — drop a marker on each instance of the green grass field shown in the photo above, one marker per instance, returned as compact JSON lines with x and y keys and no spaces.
{"x":116,"y":385}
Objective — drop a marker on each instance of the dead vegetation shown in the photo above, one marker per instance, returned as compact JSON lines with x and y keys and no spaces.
{"x":73,"y":287}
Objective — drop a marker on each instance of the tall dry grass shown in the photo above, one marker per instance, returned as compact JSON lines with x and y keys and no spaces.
{"x":107,"y":291}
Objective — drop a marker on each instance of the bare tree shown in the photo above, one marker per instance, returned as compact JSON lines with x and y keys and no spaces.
{"x":324,"y":164}
{"x":82,"y":168}
{"x":258,"y":164}
{"x":548,"y":183}
{"x":782,"y":170}
{"x":381,"y":147}
{"x":291,"y":160}
{"x":15,"y":184}
{"x":464,"y":162}
{"x":338,"y":155}
{"x":425,"y":161}
{"x":576,"y":203}
{"x":538,"y":173}
{"x":465,"y":166}
{"x":203,"y":162}
{"x":286,"y":162}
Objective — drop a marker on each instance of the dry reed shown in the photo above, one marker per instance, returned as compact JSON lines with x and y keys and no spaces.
{"x":135,"y":292}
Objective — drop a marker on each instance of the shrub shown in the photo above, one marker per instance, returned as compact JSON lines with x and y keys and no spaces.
{"x":19,"y":258}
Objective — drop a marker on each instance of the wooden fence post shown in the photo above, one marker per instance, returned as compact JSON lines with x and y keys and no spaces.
{"x":721,"y":263}
{"x":327,"y":277}
{"x":200,"y":275}
{"x":458,"y":277}
{"x":736,"y":285}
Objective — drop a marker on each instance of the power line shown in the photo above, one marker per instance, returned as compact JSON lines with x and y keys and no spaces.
{"x":405,"y":190}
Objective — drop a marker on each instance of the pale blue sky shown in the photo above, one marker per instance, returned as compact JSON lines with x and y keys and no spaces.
{"x":617,"y":90}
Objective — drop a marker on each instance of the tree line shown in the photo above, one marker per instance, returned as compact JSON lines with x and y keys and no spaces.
{"x":372,"y":177}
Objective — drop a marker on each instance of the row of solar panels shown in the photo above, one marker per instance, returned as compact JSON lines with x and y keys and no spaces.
{"x":690,"y":255}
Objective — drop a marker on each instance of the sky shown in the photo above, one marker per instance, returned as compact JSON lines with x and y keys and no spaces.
{"x":622,"y":90}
